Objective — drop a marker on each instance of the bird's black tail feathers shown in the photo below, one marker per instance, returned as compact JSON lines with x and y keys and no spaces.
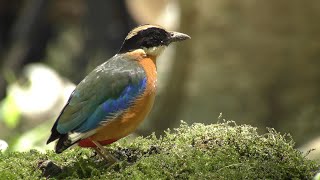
{"x":63,"y":139}
{"x":63,"y":143}
{"x":54,"y":133}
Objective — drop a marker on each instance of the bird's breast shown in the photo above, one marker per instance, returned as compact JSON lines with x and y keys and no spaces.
{"x":137,"y":112}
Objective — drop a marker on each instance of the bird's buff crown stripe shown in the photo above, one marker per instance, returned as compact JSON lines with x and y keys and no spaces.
{"x":141,"y":28}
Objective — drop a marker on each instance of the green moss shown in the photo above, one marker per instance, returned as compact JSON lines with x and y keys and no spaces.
{"x":217,"y":151}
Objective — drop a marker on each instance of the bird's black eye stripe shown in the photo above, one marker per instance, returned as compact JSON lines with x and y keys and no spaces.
{"x":150,"y":37}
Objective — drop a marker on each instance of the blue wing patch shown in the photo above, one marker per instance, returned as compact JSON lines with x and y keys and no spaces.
{"x":110,"y":107}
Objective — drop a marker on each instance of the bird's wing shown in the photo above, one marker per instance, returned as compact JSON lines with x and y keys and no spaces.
{"x":107,"y":91}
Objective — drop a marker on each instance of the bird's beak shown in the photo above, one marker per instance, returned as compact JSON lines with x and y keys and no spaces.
{"x":177,"y":36}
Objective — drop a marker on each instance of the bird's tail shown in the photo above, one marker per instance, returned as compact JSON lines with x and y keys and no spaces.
{"x":68,"y":140}
{"x":63,"y":143}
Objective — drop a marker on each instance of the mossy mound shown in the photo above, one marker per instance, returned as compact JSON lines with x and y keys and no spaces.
{"x":217,"y":151}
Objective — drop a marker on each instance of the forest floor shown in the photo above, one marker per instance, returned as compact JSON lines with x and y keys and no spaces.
{"x":217,"y":151}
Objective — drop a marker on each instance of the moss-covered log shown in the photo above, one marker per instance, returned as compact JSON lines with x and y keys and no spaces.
{"x":217,"y":151}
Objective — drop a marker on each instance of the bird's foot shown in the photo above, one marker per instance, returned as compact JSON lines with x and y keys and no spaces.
{"x":105,"y":154}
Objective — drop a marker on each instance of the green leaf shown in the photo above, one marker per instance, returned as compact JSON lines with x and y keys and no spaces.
{"x":10,"y":112}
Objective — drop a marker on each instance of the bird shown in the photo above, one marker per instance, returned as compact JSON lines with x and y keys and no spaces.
{"x":114,"y":98}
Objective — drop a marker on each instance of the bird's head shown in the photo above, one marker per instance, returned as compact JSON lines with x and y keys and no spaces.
{"x":151,"y":39}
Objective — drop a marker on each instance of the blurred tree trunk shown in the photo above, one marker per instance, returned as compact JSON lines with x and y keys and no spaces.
{"x":107,"y":24}
{"x":25,"y":32}
{"x":255,"y":61}
{"x":97,"y":27}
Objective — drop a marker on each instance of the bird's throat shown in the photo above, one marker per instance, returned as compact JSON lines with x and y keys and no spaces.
{"x":154,"y":51}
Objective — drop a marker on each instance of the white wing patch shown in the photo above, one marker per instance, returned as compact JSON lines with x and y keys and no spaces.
{"x":74,"y":137}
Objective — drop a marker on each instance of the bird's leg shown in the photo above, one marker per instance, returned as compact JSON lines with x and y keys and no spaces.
{"x":104,"y":153}
{"x":100,"y":153}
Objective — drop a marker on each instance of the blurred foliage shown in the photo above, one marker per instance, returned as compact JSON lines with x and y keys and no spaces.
{"x":218,"y":151}
{"x":71,"y":37}
{"x":9,"y":112}
{"x":32,"y":139}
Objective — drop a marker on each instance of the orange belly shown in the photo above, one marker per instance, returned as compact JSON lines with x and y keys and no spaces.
{"x":127,"y":122}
